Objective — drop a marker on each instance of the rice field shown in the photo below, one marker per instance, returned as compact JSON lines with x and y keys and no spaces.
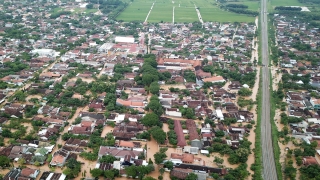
{"x":184,"y":11}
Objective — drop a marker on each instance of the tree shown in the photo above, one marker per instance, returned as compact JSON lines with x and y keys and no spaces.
{"x":150,"y":119}
{"x":155,"y":105}
{"x":107,"y":159}
{"x":6,"y":133}
{"x":20,"y":96}
{"x":96,"y":172}
{"x":215,"y":176}
{"x":169,"y":165}
{"x":189,"y":113}
{"x":160,"y":156}
{"x":131,"y":171}
{"x":219,"y":133}
{"x":218,"y":160}
{"x":109,"y":174}
{"x":147,"y":79}
{"x":154,"y":88}
{"x":37,"y":163}
{"x":21,"y":161}
{"x":192,"y":176}
{"x":161,"y":171}
{"x":158,"y":134}
{"x":4,"y":161}
{"x":244,"y":92}
{"x":243,"y":154}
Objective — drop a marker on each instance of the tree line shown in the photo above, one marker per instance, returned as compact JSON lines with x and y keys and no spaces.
{"x":287,"y":8}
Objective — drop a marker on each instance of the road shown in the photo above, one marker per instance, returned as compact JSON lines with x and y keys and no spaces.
{"x":268,"y":162}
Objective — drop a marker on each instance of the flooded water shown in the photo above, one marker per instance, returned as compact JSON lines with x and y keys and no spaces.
{"x":28,"y":126}
{"x":34,"y":96}
{"x":106,"y":130}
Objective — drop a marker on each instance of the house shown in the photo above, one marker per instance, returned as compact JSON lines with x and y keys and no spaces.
{"x":120,"y":152}
{"x":184,"y":158}
{"x":192,"y":128}
{"x":29,"y":173}
{"x":191,"y":150}
{"x":59,"y":158}
{"x":76,"y":142}
{"x":315,"y":103}
{"x":199,"y":168}
{"x":126,"y":144}
{"x":97,"y":106}
{"x":235,"y":85}
{"x":17,"y":151}
{"x":309,"y":160}
{"x":173,"y":112}
{"x":117,"y":118}
{"x":13,"y":174}
{"x":52,"y":176}
{"x":214,"y":79}
{"x":181,"y":142}
{"x":127,"y":131}
{"x":180,"y":173}
{"x":131,"y":103}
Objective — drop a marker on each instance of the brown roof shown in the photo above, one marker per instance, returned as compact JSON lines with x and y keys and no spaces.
{"x":58,"y":159}
{"x":126,"y":144}
{"x":193,"y":133}
{"x":26,"y":172}
{"x":214,"y":79}
{"x":180,"y":173}
{"x":180,"y":136}
{"x":309,"y":160}
{"x":186,"y":158}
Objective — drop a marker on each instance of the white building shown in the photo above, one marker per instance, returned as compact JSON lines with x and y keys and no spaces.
{"x":121,"y":39}
{"x":45,"y":52}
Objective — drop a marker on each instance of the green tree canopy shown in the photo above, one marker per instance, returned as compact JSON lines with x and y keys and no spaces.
{"x":150,"y":119}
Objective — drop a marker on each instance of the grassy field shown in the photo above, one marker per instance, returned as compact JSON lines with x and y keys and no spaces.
{"x":184,"y":11}
{"x":76,"y":10}
{"x":85,"y":10}
{"x":274,"y":3}
{"x":136,"y":11}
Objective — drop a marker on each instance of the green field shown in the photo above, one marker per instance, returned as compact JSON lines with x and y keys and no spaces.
{"x":274,"y":3}
{"x":76,"y":10}
{"x":184,"y":11}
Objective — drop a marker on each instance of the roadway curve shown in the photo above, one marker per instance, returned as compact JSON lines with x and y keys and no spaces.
{"x":268,"y":162}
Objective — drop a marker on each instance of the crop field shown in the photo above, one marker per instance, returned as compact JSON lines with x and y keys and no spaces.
{"x":274,"y":3}
{"x":184,"y":11}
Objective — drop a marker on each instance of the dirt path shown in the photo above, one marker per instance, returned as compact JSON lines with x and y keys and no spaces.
{"x":149,"y":13}
{"x":198,"y":13}
{"x":173,"y":15}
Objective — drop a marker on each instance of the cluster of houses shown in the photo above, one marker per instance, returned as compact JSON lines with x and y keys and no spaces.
{"x":59,"y":44}
{"x":35,"y":152}
{"x":299,"y":39}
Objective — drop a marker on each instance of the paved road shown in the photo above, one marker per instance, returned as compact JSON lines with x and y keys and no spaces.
{"x":269,"y":168}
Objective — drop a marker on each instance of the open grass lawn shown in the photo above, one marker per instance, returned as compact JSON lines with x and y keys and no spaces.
{"x":184,"y":11}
